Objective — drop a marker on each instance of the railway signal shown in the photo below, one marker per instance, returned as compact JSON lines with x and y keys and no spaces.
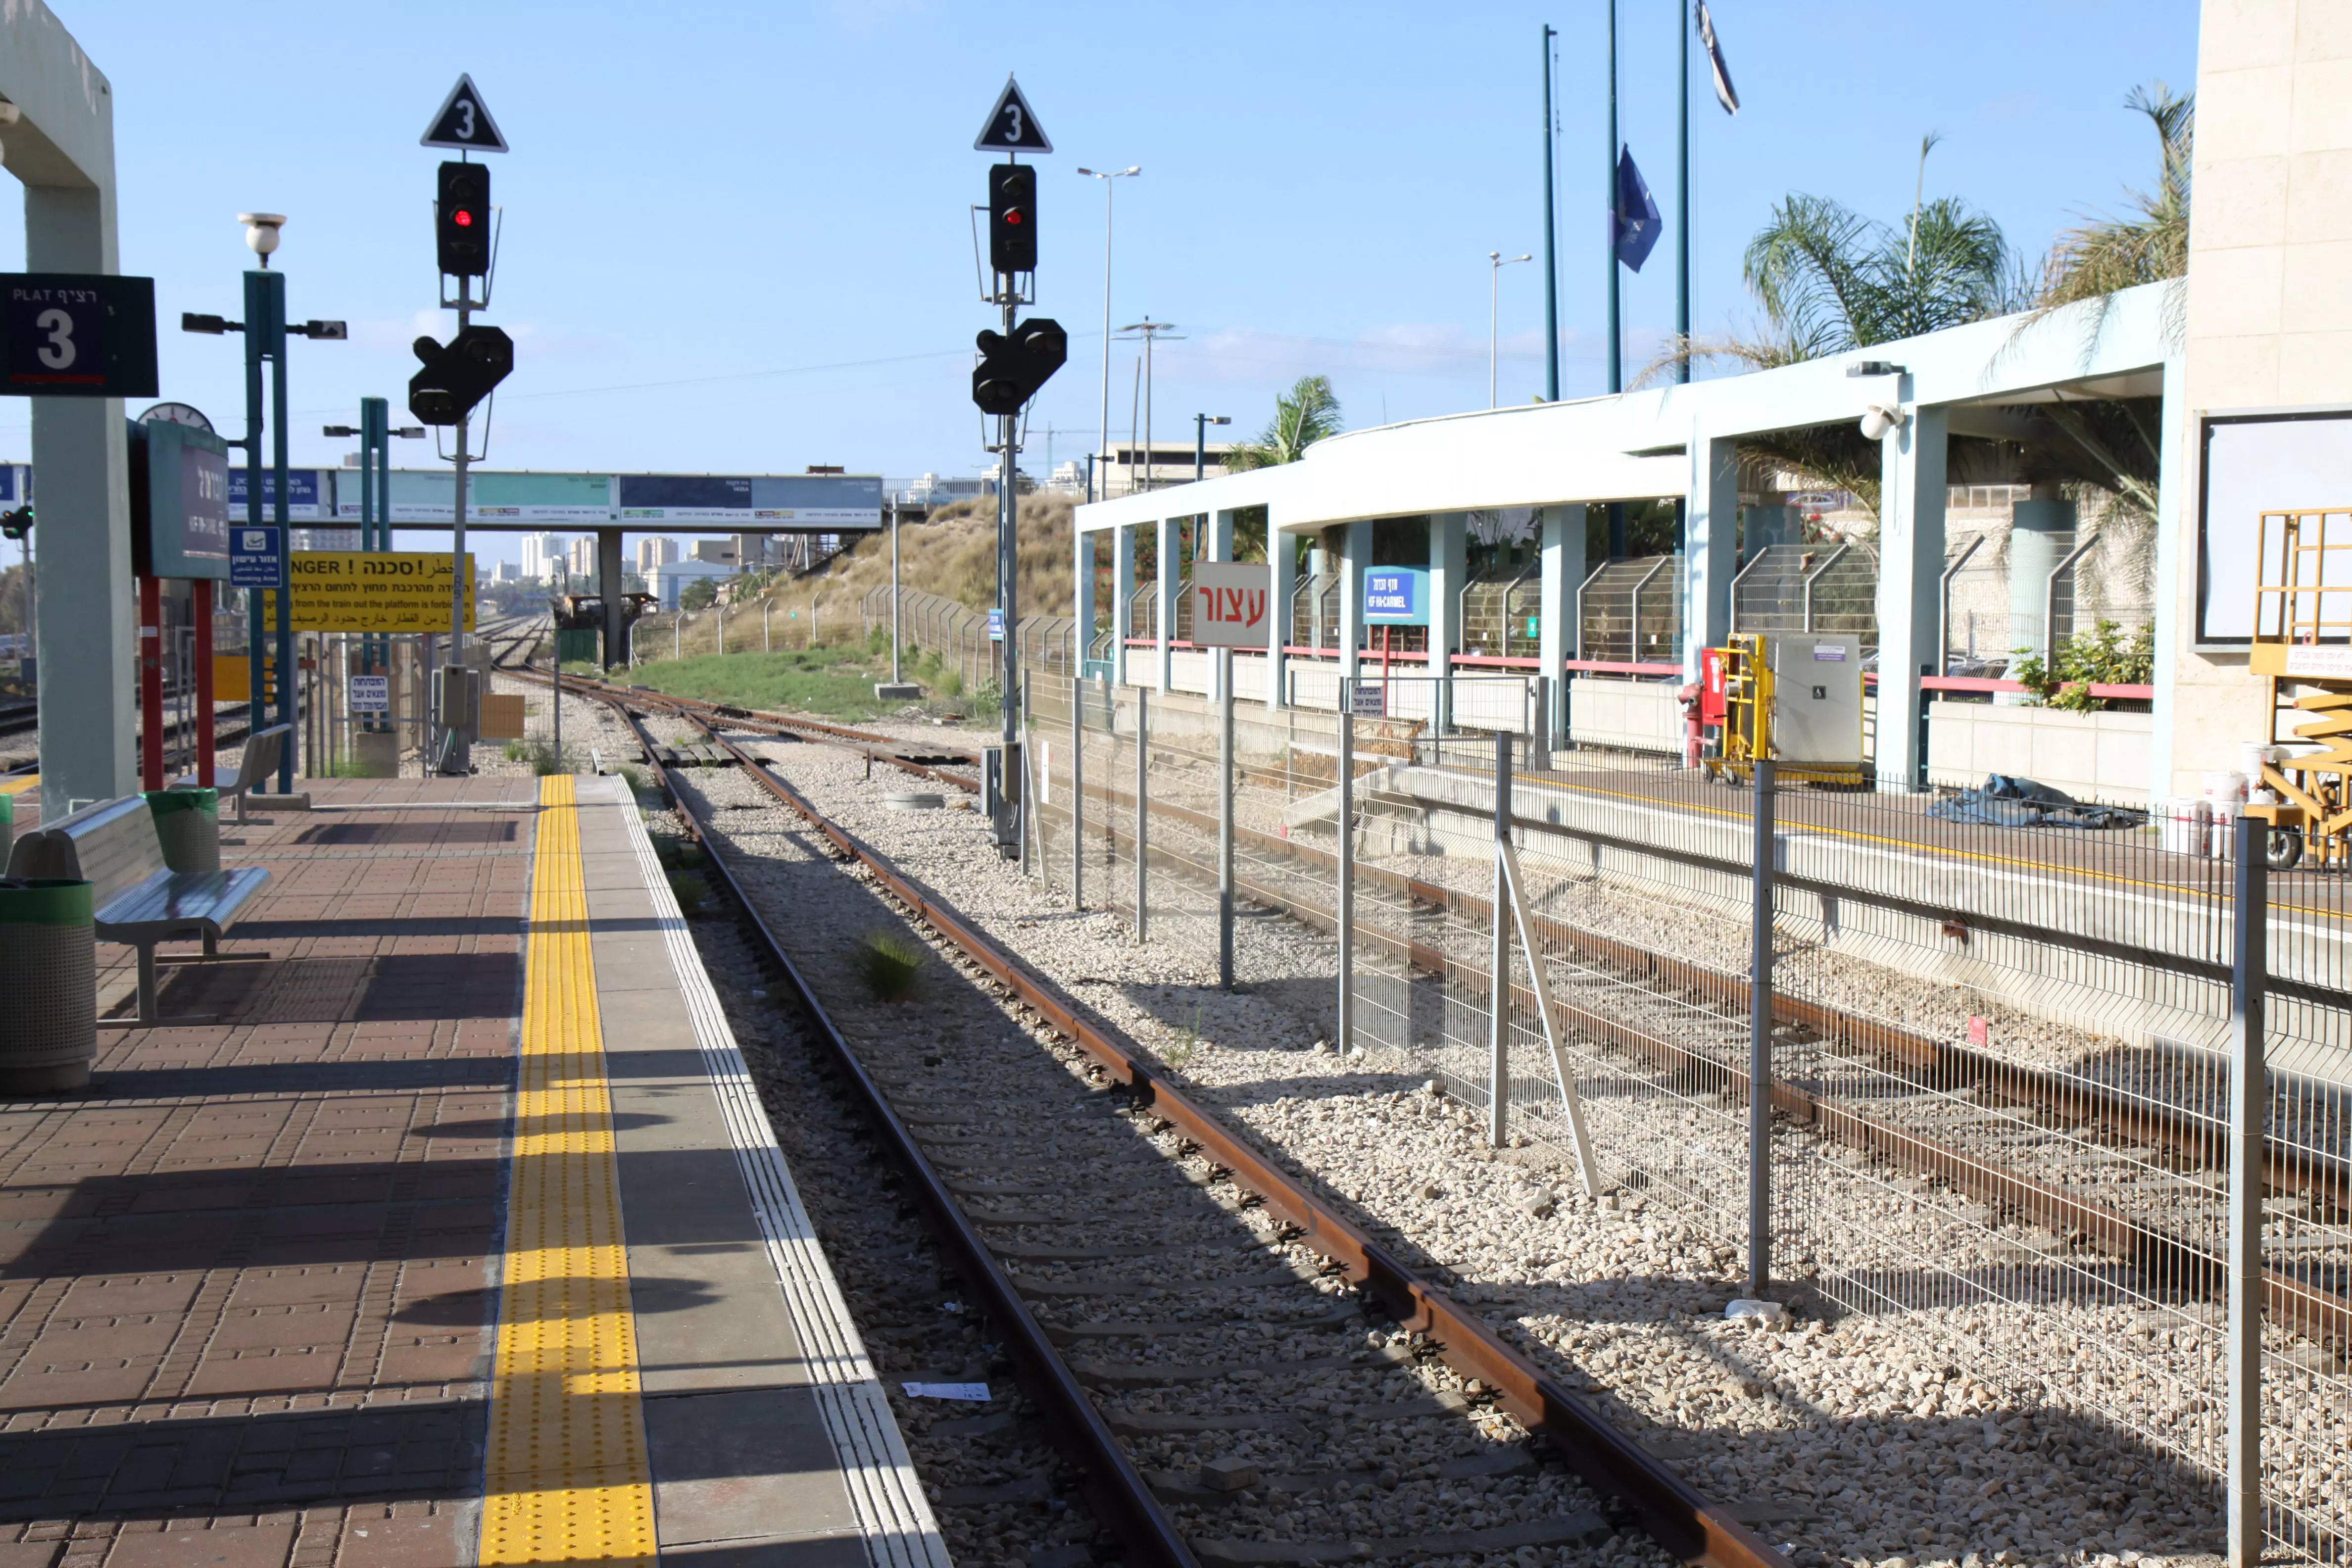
{"x":1012,"y":218}
{"x":461,"y":220}
{"x":459,"y":373}
{"x":1013,"y":366}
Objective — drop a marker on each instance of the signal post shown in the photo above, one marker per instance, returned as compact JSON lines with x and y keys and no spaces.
{"x":1013,"y":364}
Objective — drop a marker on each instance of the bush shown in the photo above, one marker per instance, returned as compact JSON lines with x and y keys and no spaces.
{"x":889,"y":963}
{"x":690,"y":890}
{"x":2106,"y":655}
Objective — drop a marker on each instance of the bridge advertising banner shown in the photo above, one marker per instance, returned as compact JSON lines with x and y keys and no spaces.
{"x":384,"y":591}
{"x":555,"y":501}
{"x":834,"y":503}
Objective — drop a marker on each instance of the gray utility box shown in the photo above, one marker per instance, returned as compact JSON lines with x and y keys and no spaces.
{"x":1000,"y":796}
{"x":461,"y":701}
{"x":1816,"y":700}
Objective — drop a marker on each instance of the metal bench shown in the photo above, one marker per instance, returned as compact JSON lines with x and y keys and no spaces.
{"x":140,"y":901}
{"x":263,"y":751}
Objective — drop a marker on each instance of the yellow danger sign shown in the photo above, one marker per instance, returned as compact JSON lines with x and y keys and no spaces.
{"x":355,"y":591}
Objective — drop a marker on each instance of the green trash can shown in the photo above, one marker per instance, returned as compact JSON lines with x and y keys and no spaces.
{"x":48,"y":985}
{"x":187,"y":825}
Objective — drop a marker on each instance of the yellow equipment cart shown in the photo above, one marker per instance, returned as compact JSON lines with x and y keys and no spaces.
{"x":1794,"y":697}
{"x":2303,"y":646}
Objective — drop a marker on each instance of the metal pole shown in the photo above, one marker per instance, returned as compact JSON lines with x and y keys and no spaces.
{"x":1021,"y":797}
{"x":1498,"y":1010}
{"x":1759,"y":1041}
{"x":1078,"y":786}
{"x":1616,"y":353}
{"x":1142,"y":805}
{"x":1225,"y":819}
{"x":1344,"y":892}
{"x":2248,"y":1098}
{"x":896,"y":640}
{"x":1551,"y":253}
{"x":1493,"y":298}
{"x":453,"y":762}
{"x":1110,"y":187}
{"x":1682,"y":202}
{"x":290,"y":667}
{"x":559,"y":710}
{"x":256,"y":306}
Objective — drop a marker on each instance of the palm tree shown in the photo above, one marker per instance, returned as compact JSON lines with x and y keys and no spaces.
{"x":1305,"y":414}
{"x":2104,"y":255}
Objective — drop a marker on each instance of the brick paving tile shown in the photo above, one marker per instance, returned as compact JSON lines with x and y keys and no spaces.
{"x":244,"y":1286}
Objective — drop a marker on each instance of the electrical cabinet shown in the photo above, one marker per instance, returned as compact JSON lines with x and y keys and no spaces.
{"x":1816,"y":700}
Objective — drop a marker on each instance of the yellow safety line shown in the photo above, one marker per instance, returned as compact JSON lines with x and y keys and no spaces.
{"x":20,"y":786}
{"x":566,"y":1478}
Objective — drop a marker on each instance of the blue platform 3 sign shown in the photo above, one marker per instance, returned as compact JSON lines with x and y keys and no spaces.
{"x":68,"y":334}
{"x":1396,"y":595}
{"x":253,"y":558}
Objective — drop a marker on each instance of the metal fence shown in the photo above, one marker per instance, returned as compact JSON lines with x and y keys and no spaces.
{"x":2000,"y":1052}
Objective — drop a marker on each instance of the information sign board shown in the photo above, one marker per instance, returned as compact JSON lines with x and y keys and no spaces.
{"x":179,"y":502}
{"x":1396,"y":595}
{"x":371,"y":694}
{"x":253,"y":557}
{"x":384,"y":591}
{"x":1367,"y":698}
{"x":1229,"y":603}
{"x":73,"y":335}
{"x":996,"y":625}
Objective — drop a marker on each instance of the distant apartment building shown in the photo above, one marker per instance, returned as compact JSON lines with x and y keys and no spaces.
{"x":655,"y":550}
{"x":584,"y":557}
{"x":544,"y":555}
{"x":506,"y":571}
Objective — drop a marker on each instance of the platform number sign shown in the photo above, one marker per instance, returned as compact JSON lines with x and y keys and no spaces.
{"x":1012,"y":125}
{"x":71,"y":334}
{"x":463,"y":122}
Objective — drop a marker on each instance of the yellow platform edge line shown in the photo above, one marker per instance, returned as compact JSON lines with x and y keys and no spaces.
{"x":21,"y":785}
{"x":566,"y":1478}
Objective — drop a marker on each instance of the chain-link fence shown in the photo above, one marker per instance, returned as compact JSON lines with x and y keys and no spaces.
{"x":1998,"y":1037}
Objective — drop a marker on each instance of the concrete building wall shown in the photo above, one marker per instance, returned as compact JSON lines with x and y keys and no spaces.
{"x":2268,"y":305}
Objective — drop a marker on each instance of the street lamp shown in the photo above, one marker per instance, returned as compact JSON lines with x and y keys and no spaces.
{"x":1103,"y":446}
{"x":1200,"y":423}
{"x":265,"y":330}
{"x":1496,"y":262}
{"x":1150,"y":332}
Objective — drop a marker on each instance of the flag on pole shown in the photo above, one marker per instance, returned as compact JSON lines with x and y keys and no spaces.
{"x":1724,"y":93}
{"x":1634,"y":222}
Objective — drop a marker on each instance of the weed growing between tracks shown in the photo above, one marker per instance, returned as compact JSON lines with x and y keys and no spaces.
{"x":831,"y":683}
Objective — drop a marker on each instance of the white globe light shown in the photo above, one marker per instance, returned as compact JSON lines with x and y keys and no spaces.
{"x":261,"y":231}
{"x":1877,"y":422}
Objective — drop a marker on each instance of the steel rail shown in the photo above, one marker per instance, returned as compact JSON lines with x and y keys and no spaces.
{"x":1123,"y":1500}
{"x":1682,"y":1520}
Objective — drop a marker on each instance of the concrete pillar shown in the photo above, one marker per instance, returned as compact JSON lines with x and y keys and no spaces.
{"x":1218,"y":545}
{"x":613,"y":584}
{"x":1449,"y":534}
{"x":1710,"y":521}
{"x":1281,"y":554}
{"x":1122,"y":608}
{"x":1168,"y":572}
{"x":1910,"y":569}
{"x":2038,"y":541}
{"x":1562,"y":568}
{"x":1356,"y":553}
{"x":1082,"y":599}
{"x":81,"y":544}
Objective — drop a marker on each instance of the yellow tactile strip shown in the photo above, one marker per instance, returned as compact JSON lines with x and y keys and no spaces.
{"x":565,"y":1476}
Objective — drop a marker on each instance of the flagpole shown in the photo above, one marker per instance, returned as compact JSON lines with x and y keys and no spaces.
{"x":1616,"y":358}
{"x":1682,"y":209}
{"x":1551,"y":254}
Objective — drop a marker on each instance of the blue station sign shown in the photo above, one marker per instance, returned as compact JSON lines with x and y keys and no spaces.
{"x":1396,"y":595}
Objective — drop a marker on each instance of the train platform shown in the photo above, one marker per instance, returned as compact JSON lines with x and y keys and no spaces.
{"x":458,"y":1237}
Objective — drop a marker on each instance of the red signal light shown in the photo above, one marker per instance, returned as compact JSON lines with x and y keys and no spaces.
{"x":462,"y":218}
{"x":1013,"y":217}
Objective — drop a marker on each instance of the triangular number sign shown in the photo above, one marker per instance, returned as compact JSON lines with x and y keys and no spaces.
{"x":1012,"y":125}
{"x":463,"y":122}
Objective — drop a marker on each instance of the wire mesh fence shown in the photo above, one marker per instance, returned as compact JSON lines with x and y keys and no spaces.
{"x":2000,"y":1048}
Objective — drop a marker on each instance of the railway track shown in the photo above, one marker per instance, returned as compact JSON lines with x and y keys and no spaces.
{"x":1037,"y":1194}
{"x":2010,"y":1139}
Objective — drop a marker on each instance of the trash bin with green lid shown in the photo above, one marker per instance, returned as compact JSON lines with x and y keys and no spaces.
{"x":187,"y":825}
{"x":48,"y":985}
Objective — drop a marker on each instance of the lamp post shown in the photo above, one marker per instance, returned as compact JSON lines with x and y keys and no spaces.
{"x":1496,"y":262}
{"x":1200,"y":423}
{"x":266,"y":331}
{"x":1149,"y":331}
{"x":1106,"y":176}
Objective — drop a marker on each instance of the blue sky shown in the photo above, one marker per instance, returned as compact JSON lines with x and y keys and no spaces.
{"x":736,"y":236}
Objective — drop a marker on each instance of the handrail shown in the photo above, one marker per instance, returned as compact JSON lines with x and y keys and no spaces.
{"x":1987,"y":683}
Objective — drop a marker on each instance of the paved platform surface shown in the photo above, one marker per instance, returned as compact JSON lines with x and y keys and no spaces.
{"x":459,"y":1237}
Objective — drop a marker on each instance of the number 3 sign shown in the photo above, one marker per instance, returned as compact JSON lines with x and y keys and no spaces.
{"x":75,"y":335}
